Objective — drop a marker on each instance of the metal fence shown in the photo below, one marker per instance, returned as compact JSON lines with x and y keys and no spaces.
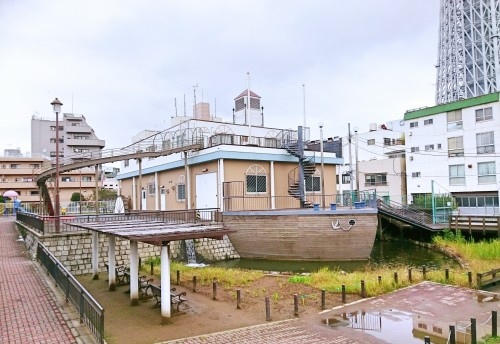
{"x":46,"y":224}
{"x":91,"y":313}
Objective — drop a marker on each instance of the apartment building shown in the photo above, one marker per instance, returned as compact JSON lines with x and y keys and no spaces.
{"x":453,"y":148}
{"x":75,"y":136}
{"x":18,"y":173}
{"x":374,"y":159}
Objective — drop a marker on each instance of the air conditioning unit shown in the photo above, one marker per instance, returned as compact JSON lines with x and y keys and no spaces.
{"x":411,"y":158}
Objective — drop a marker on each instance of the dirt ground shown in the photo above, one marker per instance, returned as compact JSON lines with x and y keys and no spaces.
{"x":201,"y":314}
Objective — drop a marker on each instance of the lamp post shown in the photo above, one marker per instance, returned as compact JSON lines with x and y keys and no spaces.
{"x":56,"y":105}
{"x":322,"y":165}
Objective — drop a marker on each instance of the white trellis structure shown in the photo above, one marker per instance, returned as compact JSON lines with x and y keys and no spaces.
{"x":468,"y":57}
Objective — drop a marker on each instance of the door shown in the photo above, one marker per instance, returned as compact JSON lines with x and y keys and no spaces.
{"x":163,"y":199}
{"x":206,"y":190}
{"x":143,"y":199}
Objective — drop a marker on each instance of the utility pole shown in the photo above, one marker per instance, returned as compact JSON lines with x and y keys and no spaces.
{"x":357,"y":161}
{"x":350,"y":164}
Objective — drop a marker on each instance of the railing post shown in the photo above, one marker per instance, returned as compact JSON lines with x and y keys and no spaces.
{"x":343,"y":294}
{"x":469,"y":275}
{"x":494,"y":323}
{"x":268,"y":309}
{"x":452,"y":334}
{"x":295,"y":304}
{"x":409,"y":275}
{"x":473,"y":331}
{"x":323,"y":299}
{"x":238,"y":299}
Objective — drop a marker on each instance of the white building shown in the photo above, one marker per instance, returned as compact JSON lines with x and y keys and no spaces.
{"x":451,"y":148}
{"x":377,"y":162}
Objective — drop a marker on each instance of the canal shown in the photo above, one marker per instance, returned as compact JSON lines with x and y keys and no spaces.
{"x":392,"y":252}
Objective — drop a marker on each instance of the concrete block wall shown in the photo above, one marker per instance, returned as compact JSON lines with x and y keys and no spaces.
{"x":74,"y":249}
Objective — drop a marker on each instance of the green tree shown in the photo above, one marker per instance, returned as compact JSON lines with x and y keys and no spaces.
{"x":77,"y":197}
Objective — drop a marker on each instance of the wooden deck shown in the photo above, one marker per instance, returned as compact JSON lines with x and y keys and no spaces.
{"x":476,"y":224}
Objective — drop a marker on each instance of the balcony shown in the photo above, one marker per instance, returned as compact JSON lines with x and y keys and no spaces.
{"x":80,"y":129}
{"x":84,"y":142}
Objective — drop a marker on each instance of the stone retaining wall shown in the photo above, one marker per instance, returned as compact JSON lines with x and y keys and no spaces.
{"x":74,"y":249}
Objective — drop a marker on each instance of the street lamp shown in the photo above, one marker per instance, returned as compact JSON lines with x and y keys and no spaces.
{"x":56,"y":105}
{"x":322,"y":165}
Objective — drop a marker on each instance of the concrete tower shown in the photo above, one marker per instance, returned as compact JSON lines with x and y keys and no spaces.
{"x":468,"y":64}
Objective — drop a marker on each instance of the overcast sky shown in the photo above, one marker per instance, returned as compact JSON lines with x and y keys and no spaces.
{"x":122,"y":63}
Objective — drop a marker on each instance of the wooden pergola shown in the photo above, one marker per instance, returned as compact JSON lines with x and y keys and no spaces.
{"x":156,"y":233}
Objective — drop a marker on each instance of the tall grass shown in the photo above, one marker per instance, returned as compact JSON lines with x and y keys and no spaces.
{"x":480,"y":256}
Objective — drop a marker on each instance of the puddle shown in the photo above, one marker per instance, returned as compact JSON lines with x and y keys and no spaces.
{"x":393,"y":326}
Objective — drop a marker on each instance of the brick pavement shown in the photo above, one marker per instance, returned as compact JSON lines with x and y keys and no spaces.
{"x":30,"y":310}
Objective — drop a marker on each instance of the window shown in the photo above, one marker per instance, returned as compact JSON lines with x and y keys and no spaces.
{"x":151,"y":188}
{"x":429,"y":148}
{"x":15,"y":166}
{"x":126,"y":163}
{"x":181,"y":188}
{"x":387,"y":141}
{"x":375,"y":179}
{"x":66,"y":179}
{"x":415,"y":149}
{"x":413,"y":124}
{"x":438,"y":146}
{"x":428,"y":121}
{"x":34,"y":193}
{"x":485,"y":114}
{"x":456,"y":146}
{"x":371,"y":142}
{"x":256,"y":179}
{"x":415,"y":174}
{"x":457,"y":174}
{"x":34,"y":165}
{"x":486,"y":172}
{"x":485,"y":143}
{"x":346,"y":178}
{"x":454,"y":119}
{"x":313,"y":183}
{"x":86,"y":179}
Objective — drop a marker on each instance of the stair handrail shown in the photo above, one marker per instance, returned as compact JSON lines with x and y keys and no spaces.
{"x":404,"y":211}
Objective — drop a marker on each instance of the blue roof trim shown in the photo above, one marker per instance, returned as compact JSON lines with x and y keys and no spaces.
{"x":223,"y":154}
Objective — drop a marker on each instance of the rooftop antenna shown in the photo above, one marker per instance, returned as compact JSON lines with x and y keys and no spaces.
{"x":184,"y":105}
{"x":215,"y":107}
{"x":72,"y":103}
{"x":248,"y":111}
{"x":175,"y":104}
{"x":194,"y":92}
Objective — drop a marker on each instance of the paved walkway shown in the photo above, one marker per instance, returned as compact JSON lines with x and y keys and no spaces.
{"x":31,"y":311}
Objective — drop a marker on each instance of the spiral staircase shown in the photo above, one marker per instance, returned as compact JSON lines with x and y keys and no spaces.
{"x":308,"y":167}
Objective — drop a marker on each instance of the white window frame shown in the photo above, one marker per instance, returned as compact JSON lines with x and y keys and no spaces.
{"x":484,"y":114}
{"x":485,"y":142}
{"x":456,"y":174}
{"x":486,"y":172}
{"x":258,"y":172}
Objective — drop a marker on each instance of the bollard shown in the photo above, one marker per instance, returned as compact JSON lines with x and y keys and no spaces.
{"x":409,"y":275}
{"x":473,"y":332}
{"x":152,"y":269}
{"x":396,"y":278}
{"x":194,"y":284}
{"x":427,"y":340}
{"x":424,"y":272}
{"x":446,"y":274}
{"x":379,"y":280}
{"x":295,"y":304}
{"x":214,"y":287}
{"x":268,"y":309}
{"x":363,"y":291}
{"x":494,"y":323}
{"x":323,"y":299}
{"x":343,"y":293}
{"x":452,"y":335}
{"x":178,"y":277}
{"x":469,"y":276}
{"x":238,"y":299}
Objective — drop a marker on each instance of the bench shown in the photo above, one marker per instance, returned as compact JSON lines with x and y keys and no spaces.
{"x":487,"y":278}
{"x":175,"y":299}
{"x":122,"y":275}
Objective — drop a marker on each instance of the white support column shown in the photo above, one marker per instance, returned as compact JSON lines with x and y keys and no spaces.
{"x":134,"y":274}
{"x":134,"y":194}
{"x":165,"y":282}
{"x":95,"y":255}
{"x":111,"y":262}
{"x":220,"y":189}
{"x":157,"y":193}
{"x":273,"y":201}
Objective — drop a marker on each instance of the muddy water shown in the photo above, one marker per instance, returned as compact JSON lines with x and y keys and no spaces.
{"x":386,"y":252}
